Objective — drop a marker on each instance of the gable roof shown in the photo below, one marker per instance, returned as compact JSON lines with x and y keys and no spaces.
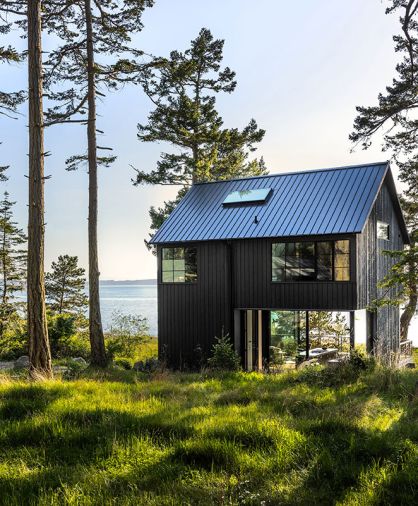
{"x":316,"y":202}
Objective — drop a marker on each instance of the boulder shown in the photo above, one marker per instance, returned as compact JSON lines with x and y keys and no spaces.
{"x":149,"y":365}
{"x":80,"y":361}
{"x":22,"y":362}
{"x":138,"y":366}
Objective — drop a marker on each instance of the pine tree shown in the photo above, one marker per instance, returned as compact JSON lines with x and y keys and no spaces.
{"x":90,"y":29}
{"x":65,"y":286}
{"x":13,"y":256}
{"x":29,"y":15}
{"x":395,"y":112}
{"x":39,"y":349}
{"x":9,"y":101}
{"x":183,"y":88}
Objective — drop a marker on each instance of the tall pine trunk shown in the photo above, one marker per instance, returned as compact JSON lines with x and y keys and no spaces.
{"x":98,"y":352}
{"x":39,"y":351}
{"x":5,"y":278}
{"x":411,"y":307}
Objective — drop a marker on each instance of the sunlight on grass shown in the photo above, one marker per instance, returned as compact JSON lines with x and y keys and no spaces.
{"x":126,"y":438}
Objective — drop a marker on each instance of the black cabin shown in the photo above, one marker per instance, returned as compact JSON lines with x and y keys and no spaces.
{"x":286,"y":264}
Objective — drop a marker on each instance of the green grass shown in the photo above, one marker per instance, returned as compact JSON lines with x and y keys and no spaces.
{"x":120,"y":438}
{"x":148,"y":349}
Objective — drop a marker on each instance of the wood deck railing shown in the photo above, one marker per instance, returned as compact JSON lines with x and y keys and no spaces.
{"x":405,"y":348}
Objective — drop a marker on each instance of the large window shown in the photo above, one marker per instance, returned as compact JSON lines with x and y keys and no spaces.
{"x":311,"y":261}
{"x":179,"y":265}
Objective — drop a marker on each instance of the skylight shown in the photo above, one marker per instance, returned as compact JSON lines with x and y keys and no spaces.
{"x":247,"y":197}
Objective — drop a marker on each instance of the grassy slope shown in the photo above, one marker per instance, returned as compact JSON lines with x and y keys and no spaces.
{"x":188,"y":439}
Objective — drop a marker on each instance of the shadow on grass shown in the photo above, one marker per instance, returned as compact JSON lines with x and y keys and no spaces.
{"x":20,"y":402}
{"x":341,"y":453}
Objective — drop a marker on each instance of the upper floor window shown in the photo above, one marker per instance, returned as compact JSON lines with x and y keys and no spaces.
{"x":179,"y":265}
{"x":311,"y":261}
{"x":382,"y":230}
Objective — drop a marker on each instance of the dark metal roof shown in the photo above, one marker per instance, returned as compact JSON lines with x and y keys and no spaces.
{"x":325,"y":201}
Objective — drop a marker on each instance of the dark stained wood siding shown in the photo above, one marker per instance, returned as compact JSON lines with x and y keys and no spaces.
{"x":236,"y":274}
{"x":254,"y":289}
{"x":373,"y":265}
{"x":190,"y":315}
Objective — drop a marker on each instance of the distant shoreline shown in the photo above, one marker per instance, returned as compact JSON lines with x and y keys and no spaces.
{"x":129,"y":282}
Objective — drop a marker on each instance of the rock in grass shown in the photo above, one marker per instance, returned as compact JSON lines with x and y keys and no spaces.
{"x":149,"y":365}
{"x":22,"y":362}
{"x":80,"y":361}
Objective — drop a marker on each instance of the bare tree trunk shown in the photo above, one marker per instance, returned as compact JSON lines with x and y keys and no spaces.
{"x":5,"y":278}
{"x":39,"y":351}
{"x":98,"y":352}
{"x":410,"y":308}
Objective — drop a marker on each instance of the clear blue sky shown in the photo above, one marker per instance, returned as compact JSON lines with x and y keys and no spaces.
{"x":302,"y":67}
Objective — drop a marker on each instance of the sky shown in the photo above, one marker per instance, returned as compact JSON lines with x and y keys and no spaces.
{"x":302,"y":68}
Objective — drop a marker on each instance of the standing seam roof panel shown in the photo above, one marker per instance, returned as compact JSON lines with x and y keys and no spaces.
{"x":277,"y":204}
{"x":370,"y":198}
{"x":296,"y":202}
{"x":332,"y":204}
{"x":307,"y":204}
{"x":361,"y":201}
{"x":245,"y":217}
{"x":320,"y":212}
{"x":274,"y":225}
{"x":266,"y":211}
{"x":351,"y":204}
{"x":326,"y":201}
{"x":349,"y":187}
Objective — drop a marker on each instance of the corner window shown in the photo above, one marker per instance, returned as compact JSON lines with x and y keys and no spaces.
{"x":179,"y":265}
{"x":382,"y":230}
{"x":311,"y":261}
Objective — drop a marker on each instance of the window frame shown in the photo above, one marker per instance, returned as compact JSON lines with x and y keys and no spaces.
{"x":161,"y":270}
{"x":316,"y":280}
{"x":387,"y":225}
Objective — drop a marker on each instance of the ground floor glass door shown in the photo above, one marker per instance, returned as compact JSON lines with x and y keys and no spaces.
{"x":288,"y":337}
{"x":253,"y":340}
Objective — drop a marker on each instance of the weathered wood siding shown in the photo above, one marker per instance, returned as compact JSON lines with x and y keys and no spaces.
{"x":373,"y":265}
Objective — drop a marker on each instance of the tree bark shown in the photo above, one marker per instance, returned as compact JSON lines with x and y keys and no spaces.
{"x":410,"y":308}
{"x":5,"y":278}
{"x":98,"y":351}
{"x":39,"y":351}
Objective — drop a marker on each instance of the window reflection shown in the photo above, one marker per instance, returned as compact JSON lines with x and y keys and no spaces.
{"x":179,"y":265}
{"x":310,"y":261}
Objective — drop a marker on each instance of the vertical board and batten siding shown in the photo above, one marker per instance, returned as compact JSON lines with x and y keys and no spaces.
{"x":254,"y":288}
{"x":234,"y":252}
{"x":190,"y":315}
{"x":373,"y":265}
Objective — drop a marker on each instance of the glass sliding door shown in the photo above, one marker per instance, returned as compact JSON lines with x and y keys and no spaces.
{"x":288,"y":338}
{"x":329,"y":330}
{"x":253,"y":340}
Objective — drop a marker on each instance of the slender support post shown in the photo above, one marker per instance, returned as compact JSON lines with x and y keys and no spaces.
{"x":260,"y":340}
{"x":307,"y":334}
{"x":352,"y":331}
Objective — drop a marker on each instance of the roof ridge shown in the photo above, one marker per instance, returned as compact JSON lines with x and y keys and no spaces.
{"x":326,"y":169}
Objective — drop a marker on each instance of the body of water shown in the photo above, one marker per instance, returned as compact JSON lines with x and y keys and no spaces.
{"x":129,"y":299}
{"x":135,"y":299}
{"x":141,"y":299}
